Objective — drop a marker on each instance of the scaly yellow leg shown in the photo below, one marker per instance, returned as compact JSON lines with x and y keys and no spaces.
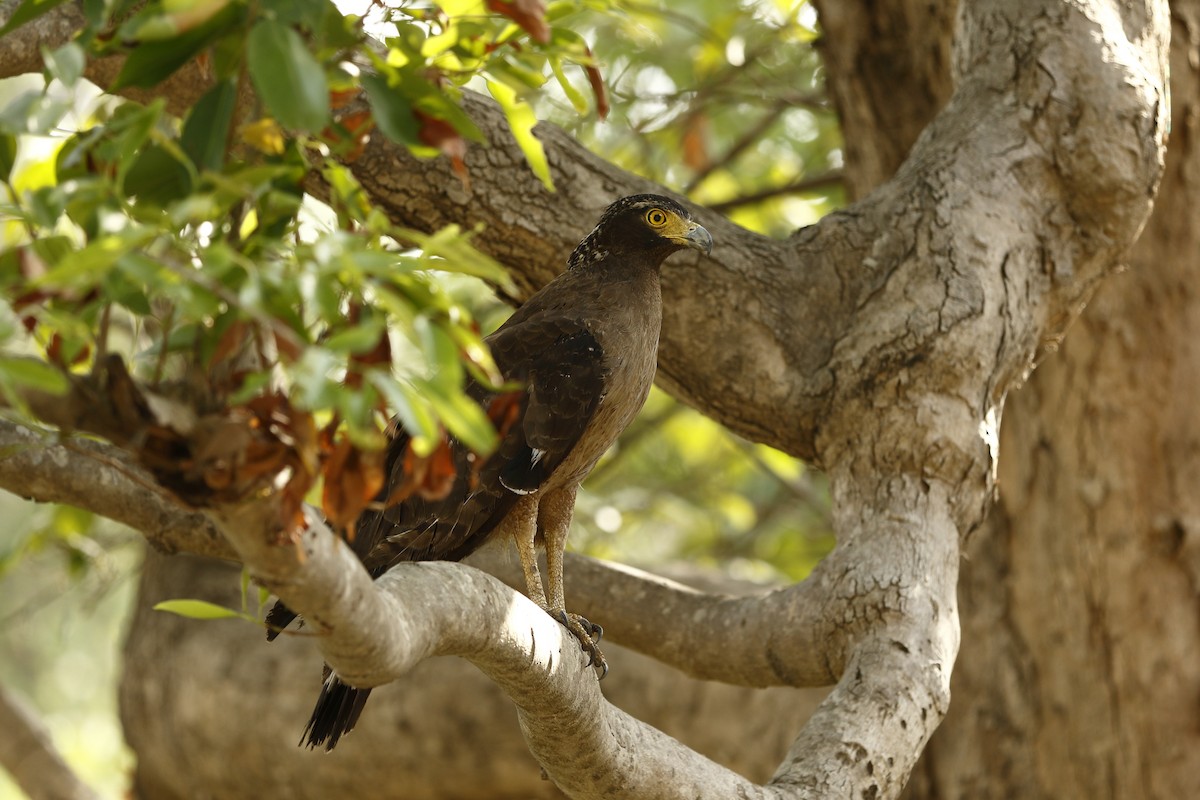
{"x":522,"y":521}
{"x":554,"y":519}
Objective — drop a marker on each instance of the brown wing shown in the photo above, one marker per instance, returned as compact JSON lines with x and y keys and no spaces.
{"x":562,"y":368}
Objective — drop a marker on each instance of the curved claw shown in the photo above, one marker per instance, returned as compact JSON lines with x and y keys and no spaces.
{"x":588,"y":634}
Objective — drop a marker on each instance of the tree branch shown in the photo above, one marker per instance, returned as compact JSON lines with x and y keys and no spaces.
{"x":824,"y":180}
{"x":635,"y":607}
{"x":372,"y":633}
{"x":376,"y":632}
{"x":49,"y":468}
{"x":28,"y":755}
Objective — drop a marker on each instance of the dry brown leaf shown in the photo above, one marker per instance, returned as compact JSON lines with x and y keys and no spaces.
{"x":442,"y":135}
{"x":597,"y":81}
{"x":352,"y":479}
{"x":529,"y":14}
{"x":695,"y":143}
{"x":430,"y":477}
{"x":349,"y":137}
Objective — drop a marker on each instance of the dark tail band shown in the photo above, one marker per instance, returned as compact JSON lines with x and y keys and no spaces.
{"x":335,"y":714}
{"x":278,"y":618}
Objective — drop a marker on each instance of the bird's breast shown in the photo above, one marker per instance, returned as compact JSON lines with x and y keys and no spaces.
{"x":631,"y":359}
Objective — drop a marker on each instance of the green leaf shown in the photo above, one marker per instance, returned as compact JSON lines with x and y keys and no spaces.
{"x":66,"y":63}
{"x":459,"y":8}
{"x":441,"y":353}
{"x":450,"y":244}
{"x":85,"y":267}
{"x":576,"y":97}
{"x":462,"y":417}
{"x":34,"y":374}
{"x":245,"y":584}
{"x":157,"y":177}
{"x":26,"y":12}
{"x":358,"y":339}
{"x":409,"y":407}
{"x":95,"y":10}
{"x":515,"y":74}
{"x":391,"y":110}
{"x":9,"y":324}
{"x":17,"y":111}
{"x":69,"y":521}
{"x":46,"y":206}
{"x":311,"y":385}
{"x":129,"y":129}
{"x":521,"y":120}
{"x":289,"y":80}
{"x":305,"y":13}
{"x":53,"y":249}
{"x":8,"y":155}
{"x":120,"y":289}
{"x":200,"y":609}
{"x":439,"y":104}
{"x":207,"y":128}
{"x":151,"y":61}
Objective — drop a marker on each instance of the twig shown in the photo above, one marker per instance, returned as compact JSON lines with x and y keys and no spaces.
{"x":29,"y":756}
{"x":747,"y":139}
{"x":827,"y":179}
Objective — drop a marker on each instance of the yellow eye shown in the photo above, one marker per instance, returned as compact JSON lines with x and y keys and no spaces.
{"x":656,"y":217}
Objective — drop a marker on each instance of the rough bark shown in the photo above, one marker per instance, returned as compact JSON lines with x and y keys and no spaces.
{"x":38,"y":465}
{"x":888,"y":75}
{"x":1096,"y":510}
{"x":1081,"y":589}
{"x":880,"y":343}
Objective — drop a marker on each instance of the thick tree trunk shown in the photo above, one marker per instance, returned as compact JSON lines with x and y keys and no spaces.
{"x":1079,"y":674}
{"x":888,"y":75}
{"x":1080,"y":671}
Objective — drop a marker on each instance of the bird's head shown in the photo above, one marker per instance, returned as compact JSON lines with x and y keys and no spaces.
{"x":645,"y":225}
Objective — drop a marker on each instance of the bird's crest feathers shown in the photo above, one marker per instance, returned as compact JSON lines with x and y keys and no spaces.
{"x":670,"y":222}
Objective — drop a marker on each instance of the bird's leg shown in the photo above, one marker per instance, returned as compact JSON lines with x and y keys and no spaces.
{"x":554,"y":519}
{"x":524,"y":518}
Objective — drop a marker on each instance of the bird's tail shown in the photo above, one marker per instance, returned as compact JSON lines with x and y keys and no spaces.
{"x":335,"y":714}
{"x":278,"y":618}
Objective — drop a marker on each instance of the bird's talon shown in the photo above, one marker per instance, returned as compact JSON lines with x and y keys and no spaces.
{"x":587,"y":634}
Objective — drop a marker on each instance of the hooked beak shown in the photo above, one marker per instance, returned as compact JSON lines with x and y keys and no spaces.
{"x":697,"y":238}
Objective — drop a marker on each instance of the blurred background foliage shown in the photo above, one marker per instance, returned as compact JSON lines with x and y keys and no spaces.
{"x":720,"y":101}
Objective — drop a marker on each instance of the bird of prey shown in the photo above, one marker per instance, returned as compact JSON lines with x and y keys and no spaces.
{"x":584,"y":351}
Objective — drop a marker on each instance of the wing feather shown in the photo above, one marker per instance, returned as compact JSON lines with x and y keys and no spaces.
{"x":561,"y":366}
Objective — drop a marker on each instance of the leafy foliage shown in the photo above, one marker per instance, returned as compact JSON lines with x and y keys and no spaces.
{"x":723,"y":101}
{"x":181,"y":259}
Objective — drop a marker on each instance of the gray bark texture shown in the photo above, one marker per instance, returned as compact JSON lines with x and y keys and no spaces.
{"x":880,"y":344}
{"x":1078,"y":676}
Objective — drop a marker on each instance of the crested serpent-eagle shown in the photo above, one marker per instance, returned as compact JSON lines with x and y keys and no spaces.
{"x":584,"y":350}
